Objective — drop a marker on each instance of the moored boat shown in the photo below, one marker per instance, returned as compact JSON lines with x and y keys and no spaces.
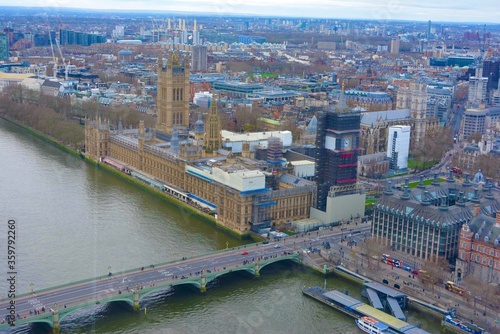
{"x":371,"y":325}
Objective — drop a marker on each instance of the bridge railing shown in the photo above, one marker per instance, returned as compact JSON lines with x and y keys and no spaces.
{"x":129,"y":271}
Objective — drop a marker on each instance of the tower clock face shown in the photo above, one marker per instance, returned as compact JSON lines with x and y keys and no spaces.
{"x":346,"y":143}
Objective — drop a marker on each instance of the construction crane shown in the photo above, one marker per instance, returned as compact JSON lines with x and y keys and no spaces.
{"x":53,"y":55}
{"x":63,"y":60}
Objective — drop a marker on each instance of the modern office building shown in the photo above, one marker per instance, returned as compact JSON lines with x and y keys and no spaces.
{"x":398,"y":147}
{"x":4,"y":47}
{"x":69,"y":37}
{"x":473,"y":121}
{"x":236,"y":89}
{"x":426,"y":221}
{"x":477,"y":91}
{"x":491,"y":70}
{"x":199,"y":58}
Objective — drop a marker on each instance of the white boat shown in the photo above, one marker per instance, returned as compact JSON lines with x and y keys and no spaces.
{"x":371,"y":325}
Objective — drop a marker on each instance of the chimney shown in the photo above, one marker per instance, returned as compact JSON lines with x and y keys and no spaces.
{"x":388,"y":190}
{"x":435,"y":182}
{"x":421,"y":184}
{"x":476,"y":210}
{"x":467,"y":180}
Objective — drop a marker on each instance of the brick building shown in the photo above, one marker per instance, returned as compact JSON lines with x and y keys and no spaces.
{"x":479,"y":248}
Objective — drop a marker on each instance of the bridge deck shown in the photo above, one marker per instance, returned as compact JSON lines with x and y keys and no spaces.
{"x":135,"y":284}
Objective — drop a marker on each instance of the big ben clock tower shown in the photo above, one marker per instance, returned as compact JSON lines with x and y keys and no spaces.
{"x":337,"y":141}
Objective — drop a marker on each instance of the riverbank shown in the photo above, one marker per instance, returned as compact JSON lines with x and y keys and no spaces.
{"x":189,"y":209}
{"x":42,"y":136}
{"x":436,"y":300}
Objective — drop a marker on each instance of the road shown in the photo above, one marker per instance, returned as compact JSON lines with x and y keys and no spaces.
{"x":106,"y":286}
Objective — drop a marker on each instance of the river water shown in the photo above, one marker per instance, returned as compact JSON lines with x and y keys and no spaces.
{"x":75,"y":221}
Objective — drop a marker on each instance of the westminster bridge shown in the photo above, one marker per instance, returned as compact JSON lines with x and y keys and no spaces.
{"x":52,"y":305}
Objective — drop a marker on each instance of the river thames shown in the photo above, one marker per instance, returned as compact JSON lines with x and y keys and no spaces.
{"x":75,"y":221}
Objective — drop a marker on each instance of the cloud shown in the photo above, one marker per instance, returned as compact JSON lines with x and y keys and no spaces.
{"x":443,"y":10}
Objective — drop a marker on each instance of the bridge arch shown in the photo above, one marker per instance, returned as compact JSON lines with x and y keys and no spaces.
{"x":146,"y":291}
{"x":127,"y":298}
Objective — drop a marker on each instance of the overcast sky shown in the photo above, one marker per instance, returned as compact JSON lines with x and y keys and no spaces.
{"x":421,"y":10}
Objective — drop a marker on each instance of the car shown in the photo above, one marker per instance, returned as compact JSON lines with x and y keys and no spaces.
{"x":277,"y":246}
{"x":244,"y":253}
{"x":265,"y":242}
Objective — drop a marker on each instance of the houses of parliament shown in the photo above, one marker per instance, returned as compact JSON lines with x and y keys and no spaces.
{"x":243,"y":196}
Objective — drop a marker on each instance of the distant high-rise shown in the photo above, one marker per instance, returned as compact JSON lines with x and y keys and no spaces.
{"x":429,"y":29}
{"x":184,"y":36}
{"x":173,"y":93}
{"x":199,"y":58}
{"x":196,"y":34}
{"x":491,"y":70}
{"x":4,"y":47}
{"x":477,"y":90}
{"x":395,"y":45}
{"x":69,"y":37}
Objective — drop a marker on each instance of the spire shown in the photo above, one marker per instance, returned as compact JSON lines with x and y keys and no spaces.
{"x":342,"y":105}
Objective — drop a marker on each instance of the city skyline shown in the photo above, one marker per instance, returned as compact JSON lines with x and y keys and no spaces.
{"x":445,"y":11}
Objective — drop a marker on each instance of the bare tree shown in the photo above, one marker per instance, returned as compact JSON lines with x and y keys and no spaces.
{"x":475,"y":137}
{"x":433,"y":146}
{"x":488,"y":164}
{"x":434,"y":272}
{"x":373,"y":249}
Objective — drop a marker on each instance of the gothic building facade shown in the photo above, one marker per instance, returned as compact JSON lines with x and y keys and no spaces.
{"x":411,"y":106}
{"x":239,"y":197}
{"x":173,"y":93}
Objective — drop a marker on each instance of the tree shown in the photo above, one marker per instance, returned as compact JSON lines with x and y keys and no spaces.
{"x":488,"y":163}
{"x":433,"y":146}
{"x":475,"y":137}
{"x":476,"y":290}
{"x":293,"y":128}
{"x":435,"y":272}
{"x":461,"y":93}
{"x":374,"y":250}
